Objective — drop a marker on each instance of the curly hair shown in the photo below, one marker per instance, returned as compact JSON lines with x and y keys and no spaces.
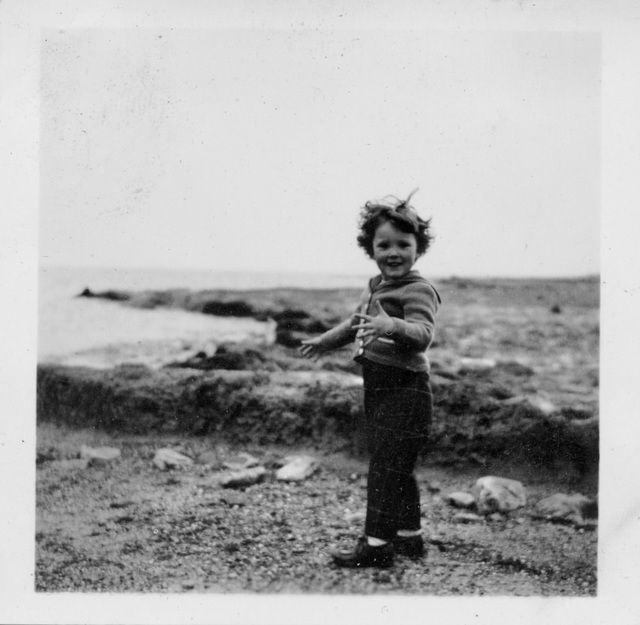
{"x":401,"y":214}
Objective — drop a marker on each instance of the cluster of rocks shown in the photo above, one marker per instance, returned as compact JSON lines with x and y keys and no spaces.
{"x":239,"y":471}
{"x":243,"y":469}
{"x":490,"y":497}
{"x":494,"y":497}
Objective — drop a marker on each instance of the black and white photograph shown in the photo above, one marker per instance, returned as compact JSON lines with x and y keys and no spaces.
{"x":314,"y":309}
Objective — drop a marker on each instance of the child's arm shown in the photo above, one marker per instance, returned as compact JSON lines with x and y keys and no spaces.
{"x":342,"y":334}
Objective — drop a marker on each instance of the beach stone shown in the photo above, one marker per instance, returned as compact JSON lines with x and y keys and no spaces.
{"x":234,"y":498}
{"x":210,"y":458}
{"x":460,"y":499}
{"x":568,"y":508}
{"x":498,"y":494}
{"x":467,"y":517}
{"x":539,"y":403}
{"x":544,"y":405}
{"x":245,"y":477}
{"x":439,"y":380}
{"x":169,"y":459}
{"x":477,"y":364}
{"x":240,"y":461}
{"x":297,"y":468}
{"x":99,"y":455}
{"x":358,"y":516}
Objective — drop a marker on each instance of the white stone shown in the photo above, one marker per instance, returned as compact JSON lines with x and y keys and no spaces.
{"x":234,"y":498}
{"x":241,"y":460}
{"x":562,"y":507}
{"x":170,"y":459}
{"x":358,"y":516}
{"x":477,"y":364}
{"x":298,"y":468}
{"x":467,"y":517}
{"x":544,"y":405}
{"x":99,"y":455}
{"x":209,"y":458}
{"x":245,"y":477}
{"x":460,"y":499}
{"x":498,"y":494}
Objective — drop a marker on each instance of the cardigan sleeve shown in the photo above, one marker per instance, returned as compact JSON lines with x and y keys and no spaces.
{"x":343,"y":333}
{"x":416,"y":330}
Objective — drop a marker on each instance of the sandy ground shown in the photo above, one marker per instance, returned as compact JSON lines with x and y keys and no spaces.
{"x":127,"y":526}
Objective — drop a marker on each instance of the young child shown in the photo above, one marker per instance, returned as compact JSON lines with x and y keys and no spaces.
{"x":392,"y":330}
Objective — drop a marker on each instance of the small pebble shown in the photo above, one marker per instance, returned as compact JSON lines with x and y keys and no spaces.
{"x":467,"y":517}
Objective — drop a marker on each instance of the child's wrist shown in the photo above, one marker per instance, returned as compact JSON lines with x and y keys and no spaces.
{"x":391,"y":327}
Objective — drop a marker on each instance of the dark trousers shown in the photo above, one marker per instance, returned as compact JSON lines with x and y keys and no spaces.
{"x":398,"y":406}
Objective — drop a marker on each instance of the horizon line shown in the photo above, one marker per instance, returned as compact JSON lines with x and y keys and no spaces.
{"x":448,"y":277}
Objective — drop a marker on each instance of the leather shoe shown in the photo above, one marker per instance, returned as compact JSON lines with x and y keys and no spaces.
{"x":410,"y":546}
{"x":364,"y":555}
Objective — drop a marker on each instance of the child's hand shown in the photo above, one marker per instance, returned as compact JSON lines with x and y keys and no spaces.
{"x":371,"y":328}
{"x":312,"y":348}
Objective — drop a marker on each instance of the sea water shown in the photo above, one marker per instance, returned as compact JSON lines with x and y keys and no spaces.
{"x":99,"y":333}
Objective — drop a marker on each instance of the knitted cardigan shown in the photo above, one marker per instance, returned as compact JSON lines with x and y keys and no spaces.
{"x":412,"y":302}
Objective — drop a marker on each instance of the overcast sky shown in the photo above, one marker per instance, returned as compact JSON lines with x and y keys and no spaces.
{"x":254,"y":149}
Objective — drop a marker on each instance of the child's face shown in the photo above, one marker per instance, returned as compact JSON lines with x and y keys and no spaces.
{"x":394,"y":251}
